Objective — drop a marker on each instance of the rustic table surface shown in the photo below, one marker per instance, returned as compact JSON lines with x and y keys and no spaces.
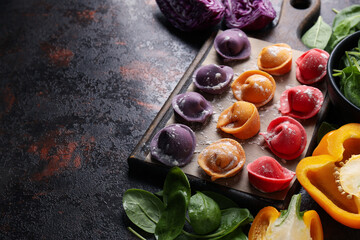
{"x":80,"y":82}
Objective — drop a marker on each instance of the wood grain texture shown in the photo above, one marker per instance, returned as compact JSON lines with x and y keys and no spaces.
{"x":80,"y":83}
{"x":296,"y":16}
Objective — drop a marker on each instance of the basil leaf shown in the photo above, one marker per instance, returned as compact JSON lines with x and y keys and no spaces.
{"x":221,"y":200}
{"x":172,"y":219}
{"x":318,"y":35}
{"x":176,"y":181}
{"x":203,"y":209}
{"x":142,"y":208}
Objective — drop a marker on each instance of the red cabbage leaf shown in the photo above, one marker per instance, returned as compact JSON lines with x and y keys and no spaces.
{"x":190,"y":15}
{"x":248,"y":14}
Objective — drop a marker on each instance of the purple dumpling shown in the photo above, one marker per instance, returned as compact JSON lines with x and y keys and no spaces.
{"x":232,"y":44}
{"x":192,"y":107}
{"x":173,"y":145}
{"x":213,"y":79}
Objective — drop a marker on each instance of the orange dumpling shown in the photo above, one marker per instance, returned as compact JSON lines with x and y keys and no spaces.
{"x":275,"y":59}
{"x":254,"y":86}
{"x":241,"y":120}
{"x":222,"y":159}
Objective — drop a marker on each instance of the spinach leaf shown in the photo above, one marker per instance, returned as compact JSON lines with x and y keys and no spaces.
{"x":231,"y":219}
{"x":172,"y":219}
{"x":346,"y":21}
{"x":318,"y":35}
{"x":182,"y":236}
{"x":238,"y":234}
{"x":221,"y":200}
{"x":167,"y":219}
{"x":176,"y":181}
{"x":354,"y":57}
{"x":352,"y":87}
{"x":343,"y":29}
{"x":344,"y":75}
{"x":324,"y":128}
{"x":203,"y":209}
{"x":350,"y":83}
{"x":346,"y":13}
{"x":350,"y":75}
{"x":142,"y":208}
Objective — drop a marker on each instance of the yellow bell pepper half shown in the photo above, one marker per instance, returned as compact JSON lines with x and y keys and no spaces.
{"x":270,"y":224}
{"x":332,"y":174}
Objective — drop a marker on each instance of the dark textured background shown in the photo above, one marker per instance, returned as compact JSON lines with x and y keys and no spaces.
{"x":80,"y":82}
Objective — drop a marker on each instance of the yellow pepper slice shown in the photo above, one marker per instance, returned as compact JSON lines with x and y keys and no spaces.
{"x":270,"y":224}
{"x":330,"y":175}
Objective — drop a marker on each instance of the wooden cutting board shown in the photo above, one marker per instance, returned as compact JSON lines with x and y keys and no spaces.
{"x":254,"y":147}
{"x":296,"y":17}
{"x":281,"y":32}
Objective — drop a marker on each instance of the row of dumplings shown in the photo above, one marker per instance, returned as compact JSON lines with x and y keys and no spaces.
{"x":174,"y":145}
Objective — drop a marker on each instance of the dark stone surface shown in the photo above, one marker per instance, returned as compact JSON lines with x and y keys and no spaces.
{"x":80,"y":82}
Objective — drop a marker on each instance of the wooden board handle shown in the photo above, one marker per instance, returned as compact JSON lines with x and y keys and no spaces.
{"x":296,"y":16}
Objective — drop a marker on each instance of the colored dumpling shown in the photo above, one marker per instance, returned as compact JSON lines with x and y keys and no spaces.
{"x":301,"y":102}
{"x":192,"y":107}
{"x":311,"y":66}
{"x":173,"y":145}
{"x":267,"y":175}
{"x":213,"y":78}
{"x":254,"y":86}
{"x":285,"y":137}
{"x":222,"y":159}
{"x":232,"y":44}
{"x":241,"y":120}
{"x":275,"y":59}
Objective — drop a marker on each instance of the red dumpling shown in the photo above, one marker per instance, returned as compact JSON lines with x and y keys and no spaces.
{"x":267,"y":175}
{"x":311,"y":66}
{"x":301,"y":102}
{"x":285,"y":137}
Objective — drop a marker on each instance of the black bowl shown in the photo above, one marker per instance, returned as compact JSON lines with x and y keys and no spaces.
{"x":349,"y":111}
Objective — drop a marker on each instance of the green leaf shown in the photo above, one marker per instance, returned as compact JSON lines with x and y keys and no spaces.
{"x":343,"y":29}
{"x":231,"y":219}
{"x":176,"y":181}
{"x":346,"y":74}
{"x":346,"y":13}
{"x":293,"y":210}
{"x":142,"y":208}
{"x":346,"y":21}
{"x":221,"y":200}
{"x":172,"y":219}
{"x":324,"y":128}
{"x":318,"y":35}
{"x":203,"y":209}
{"x":290,"y":220}
{"x":352,"y":87}
{"x":182,"y":236}
{"x":238,"y":234}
